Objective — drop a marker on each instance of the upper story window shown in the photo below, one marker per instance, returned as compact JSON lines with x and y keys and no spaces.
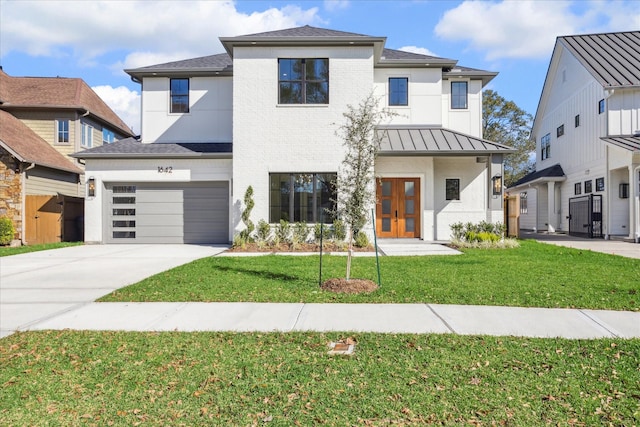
{"x":545,"y":146}
{"x":303,"y":81}
{"x":398,"y":91}
{"x":576,"y":120}
{"x":179,"y":96}
{"x":560,"y":131}
{"x":62,"y":131}
{"x":459,"y":91}
{"x":601,"y":106}
{"x":108,"y":137}
{"x":87,"y":136}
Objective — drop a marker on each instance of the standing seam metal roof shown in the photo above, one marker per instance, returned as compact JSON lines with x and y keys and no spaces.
{"x":612,"y":58}
{"x":412,"y":140}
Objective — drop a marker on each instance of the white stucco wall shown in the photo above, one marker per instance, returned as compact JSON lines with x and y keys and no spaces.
{"x":467,"y":120}
{"x":143,"y":170}
{"x":210,"y":113}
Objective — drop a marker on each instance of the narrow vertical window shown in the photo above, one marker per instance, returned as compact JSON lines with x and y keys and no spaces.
{"x":459,"y":91}
{"x":576,"y":121}
{"x":524,"y":208}
{"x":452,"y":189}
{"x":62,"y":131}
{"x":398,"y":91}
{"x":545,"y":146}
{"x":560,"y":131}
{"x":179,"y":95}
{"x":577,"y":188}
{"x":601,"y":106}
{"x":87,"y":136}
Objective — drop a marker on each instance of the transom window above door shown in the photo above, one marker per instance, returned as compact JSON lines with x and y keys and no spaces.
{"x":303,"y":81}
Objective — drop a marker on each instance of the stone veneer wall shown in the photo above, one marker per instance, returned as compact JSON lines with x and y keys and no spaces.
{"x":11,"y":192}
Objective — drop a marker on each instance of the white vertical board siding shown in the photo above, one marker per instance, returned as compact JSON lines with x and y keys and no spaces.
{"x":273,"y":138}
{"x":210,"y":111}
{"x":620,"y":224}
{"x":528,"y":220}
{"x":624,"y":112}
{"x":143,"y":170}
{"x":425,"y":95}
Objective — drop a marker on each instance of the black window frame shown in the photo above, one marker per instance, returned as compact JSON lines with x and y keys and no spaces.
{"x":404,"y":93}
{"x":588,"y":186}
{"x":319,"y":206}
{"x":576,"y":120}
{"x":601,"y":106}
{"x":455,"y":98}
{"x":452,"y":192}
{"x":560,"y":131}
{"x":524,"y":206}
{"x":304,"y":83}
{"x":600,"y":184}
{"x":577,"y":188}
{"x":178,"y":96}
{"x":545,"y":146}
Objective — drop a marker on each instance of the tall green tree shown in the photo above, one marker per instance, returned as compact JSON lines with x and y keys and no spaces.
{"x":506,"y":123}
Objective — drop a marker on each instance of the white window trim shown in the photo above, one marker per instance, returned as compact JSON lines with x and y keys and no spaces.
{"x":459,"y":199}
{"x":87,"y":135}
{"x":56,"y":134}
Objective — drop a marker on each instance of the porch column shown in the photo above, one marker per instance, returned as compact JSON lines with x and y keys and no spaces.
{"x":552,"y":216}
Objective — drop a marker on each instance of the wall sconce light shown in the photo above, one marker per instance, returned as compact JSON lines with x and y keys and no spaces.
{"x":623,"y":191}
{"x":91,"y":187}
{"x":497,"y":185}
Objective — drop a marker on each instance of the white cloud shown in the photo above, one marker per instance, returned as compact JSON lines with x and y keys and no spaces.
{"x":419,"y":50}
{"x":87,"y":30}
{"x":124,"y":102}
{"x":527,"y":28}
{"x":333,"y":5}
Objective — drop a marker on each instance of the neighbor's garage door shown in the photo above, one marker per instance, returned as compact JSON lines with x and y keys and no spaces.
{"x":168,"y":213}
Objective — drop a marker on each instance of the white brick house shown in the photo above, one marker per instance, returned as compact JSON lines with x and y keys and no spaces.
{"x":264,"y":114}
{"x":587,"y":132}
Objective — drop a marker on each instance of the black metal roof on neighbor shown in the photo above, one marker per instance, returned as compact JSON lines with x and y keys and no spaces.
{"x":612,"y":58}
{"x":427,"y":140}
{"x":132,"y":148}
{"x":629,"y":142}
{"x":554,"y":171}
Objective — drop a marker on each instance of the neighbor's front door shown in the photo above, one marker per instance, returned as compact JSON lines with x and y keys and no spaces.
{"x":398,"y":207}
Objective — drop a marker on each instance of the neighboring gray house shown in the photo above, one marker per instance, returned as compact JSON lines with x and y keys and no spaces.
{"x":587,"y":132}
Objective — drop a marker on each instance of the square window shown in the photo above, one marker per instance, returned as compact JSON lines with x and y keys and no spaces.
{"x":398,"y":91}
{"x":303,"y":81}
{"x":452,"y":189}
{"x":601,"y":106}
{"x":599,"y":184}
{"x":577,"y":188}
{"x":179,"y":95}
{"x":560,"y":131}
{"x":576,"y":120}
{"x":588,"y":187}
{"x":459,"y":91}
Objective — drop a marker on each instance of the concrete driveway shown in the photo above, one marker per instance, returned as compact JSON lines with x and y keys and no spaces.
{"x":612,"y":247}
{"x":39,"y":285}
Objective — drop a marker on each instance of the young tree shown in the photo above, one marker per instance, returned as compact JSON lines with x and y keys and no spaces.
{"x":505,"y":123}
{"x":356,"y":186}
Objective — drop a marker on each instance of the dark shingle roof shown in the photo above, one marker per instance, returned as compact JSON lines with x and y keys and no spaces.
{"x":628,"y":142}
{"x":26,"y":146}
{"x":132,"y":148}
{"x":612,"y":58}
{"x":554,"y":171}
{"x":305,"y":31}
{"x":219,"y":62}
{"x":426,"y":140}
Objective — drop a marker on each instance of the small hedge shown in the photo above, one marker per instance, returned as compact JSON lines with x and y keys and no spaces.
{"x":481,"y":235}
{"x":7,"y":231}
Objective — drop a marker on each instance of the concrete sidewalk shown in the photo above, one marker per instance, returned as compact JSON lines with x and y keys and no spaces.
{"x":385,"y":318}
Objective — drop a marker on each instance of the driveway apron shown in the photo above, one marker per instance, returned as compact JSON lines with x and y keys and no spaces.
{"x":39,"y":285}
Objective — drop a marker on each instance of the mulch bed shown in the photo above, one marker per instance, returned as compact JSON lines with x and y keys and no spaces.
{"x":351,"y":286}
{"x":300,"y":247}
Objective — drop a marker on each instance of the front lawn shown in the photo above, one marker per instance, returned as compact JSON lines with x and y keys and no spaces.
{"x":118,"y":378}
{"x":534,"y":275}
{"x":7,"y":250}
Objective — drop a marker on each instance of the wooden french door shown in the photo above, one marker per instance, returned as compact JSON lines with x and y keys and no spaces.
{"x":398,"y":207}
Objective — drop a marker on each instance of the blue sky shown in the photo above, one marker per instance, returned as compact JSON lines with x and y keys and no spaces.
{"x":96,"y":40}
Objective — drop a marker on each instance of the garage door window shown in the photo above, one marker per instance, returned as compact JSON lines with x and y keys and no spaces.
{"x":123,"y":218}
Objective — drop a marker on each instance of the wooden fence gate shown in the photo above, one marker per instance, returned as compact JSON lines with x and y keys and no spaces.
{"x":50,"y":219}
{"x":512,"y":215}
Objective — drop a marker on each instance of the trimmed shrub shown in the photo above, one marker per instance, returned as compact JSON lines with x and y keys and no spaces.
{"x":326,"y":232}
{"x":263,"y":232}
{"x":361,"y":240}
{"x":339,"y":230}
{"x":7,"y":231}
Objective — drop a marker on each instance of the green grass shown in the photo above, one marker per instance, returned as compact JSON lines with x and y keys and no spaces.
{"x":534,"y":275}
{"x":7,"y":251}
{"x":117,"y":378}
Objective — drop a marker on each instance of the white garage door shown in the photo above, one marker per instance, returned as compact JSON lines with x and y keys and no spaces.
{"x":168,"y":213}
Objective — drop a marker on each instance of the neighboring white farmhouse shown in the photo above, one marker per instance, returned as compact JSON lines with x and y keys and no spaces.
{"x":264,"y":114}
{"x":587,"y":132}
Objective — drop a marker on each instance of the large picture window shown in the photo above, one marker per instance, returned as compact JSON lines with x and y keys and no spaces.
{"x":398,"y":91}
{"x":179,"y":95}
{"x":301,"y":197}
{"x":303,"y":81}
{"x":459,"y":91}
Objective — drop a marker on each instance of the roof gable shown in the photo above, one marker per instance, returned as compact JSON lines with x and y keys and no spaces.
{"x":613,"y":59}
{"x":56,"y":93}
{"x":28,"y":147}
